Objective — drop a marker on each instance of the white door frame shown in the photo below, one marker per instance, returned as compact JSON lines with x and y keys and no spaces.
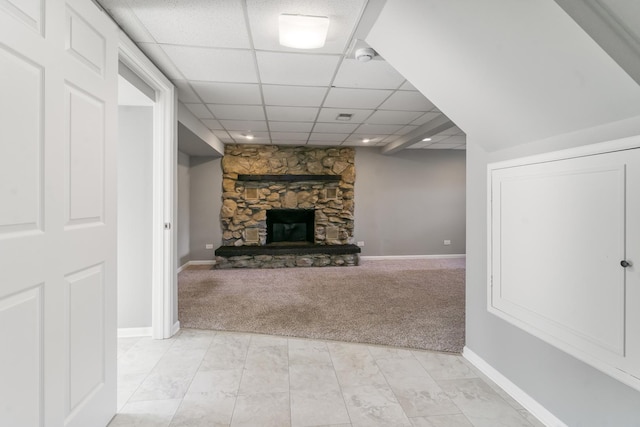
{"x":163,"y":275}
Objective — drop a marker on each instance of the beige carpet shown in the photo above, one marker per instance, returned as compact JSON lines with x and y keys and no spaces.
{"x":405,"y":303}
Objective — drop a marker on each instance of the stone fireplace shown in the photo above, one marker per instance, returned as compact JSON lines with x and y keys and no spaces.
{"x":283,"y":196}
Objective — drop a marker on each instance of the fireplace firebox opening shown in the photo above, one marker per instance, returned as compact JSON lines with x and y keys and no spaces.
{"x":290,"y":226}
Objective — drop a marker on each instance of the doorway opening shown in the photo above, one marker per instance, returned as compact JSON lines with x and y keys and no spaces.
{"x":135,"y":206}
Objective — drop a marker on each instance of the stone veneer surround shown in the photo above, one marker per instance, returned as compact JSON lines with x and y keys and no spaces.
{"x":244,"y":203}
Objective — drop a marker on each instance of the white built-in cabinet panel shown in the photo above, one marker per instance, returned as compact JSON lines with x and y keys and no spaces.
{"x":559,"y":227}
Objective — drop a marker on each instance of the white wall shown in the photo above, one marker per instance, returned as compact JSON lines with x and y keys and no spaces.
{"x":425,"y":188}
{"x":183,"y":185}
{"x":135,"y":142}
{"x":410,"y":202}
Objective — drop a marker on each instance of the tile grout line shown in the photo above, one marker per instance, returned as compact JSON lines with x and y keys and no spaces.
{"x":192,"y":378}
{"x":335,"y":372}
{"x":235,"y":403}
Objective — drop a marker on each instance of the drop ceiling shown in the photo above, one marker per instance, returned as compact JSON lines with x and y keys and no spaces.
{"x":232,"y":74}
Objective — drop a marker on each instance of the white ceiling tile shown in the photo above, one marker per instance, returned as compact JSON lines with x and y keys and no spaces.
{"x":292,"y":114}
{"x":343,"y":16}
{"x":158,"y":56}
{"x":300,"y":96}
{"x":290,"y":136}
{"x":372,"y":75}
{"x":245,"y":125}
{"x":228,"y":93}
{"x":455,"y":139}
{"x":328,"y":137}
{"x":359,"y":143}
{"x":237,"y":112}
{"x":222,"y":65}
{"x":407,"y":101}
{"x":359,"y":138}
{"x":217,"y":23}
{"x":212,"y":124}
{"x":393,"y":117}
{"x":436,"y":138}
{"x":296,"y":68}
{"x":405,"y":130}
{"x":455,"y":130}
{"x":242,"y":136}
{"x":442,"y":146}
{"x":185,"y":93}
{"x":322,"y":143}
{"x":290,"y":126}
{"x":407,"y":86}
{"x":328,"y":115}
{"x":335,"y":127}
{"x":222,"y":135}
{"x":461,"y":147}
{"x":356,"y":98}
{"x":199,"y":110}
{"x":425,"y":118}
{"x":286,"y":142}
{"x":129,"y":22}
{"x":367,"y":129}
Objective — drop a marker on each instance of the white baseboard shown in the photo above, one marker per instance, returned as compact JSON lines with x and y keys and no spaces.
{"x":202,"y":262}
{"x":135,"y":332}
{"x":528,"y":402}
{"x":443,"y":256}
{"x":175,"y":328}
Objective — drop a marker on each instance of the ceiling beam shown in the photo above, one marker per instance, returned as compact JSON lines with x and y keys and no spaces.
{"x":427,"y":130}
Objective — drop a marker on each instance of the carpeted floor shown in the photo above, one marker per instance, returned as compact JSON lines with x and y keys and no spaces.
{"x":405,"y":303}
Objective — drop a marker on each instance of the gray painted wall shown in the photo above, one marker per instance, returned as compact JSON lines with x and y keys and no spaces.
{"x":183,"y":186}
{"x":205,"y":175}
{"x":410,"y":202}
{"x":425,"y":188}
{"x":574,"y":392}
{"x":135,"y":143}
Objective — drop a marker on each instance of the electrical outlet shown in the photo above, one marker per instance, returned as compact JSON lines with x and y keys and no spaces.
{"x":447,"y":242}
{"x":361,"y":244}
{"x":208,"y":246}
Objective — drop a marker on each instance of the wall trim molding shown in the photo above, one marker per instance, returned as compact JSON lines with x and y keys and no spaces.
{"x":135,"y":332}
{"x":520,"y":396}
{"x":437,"y":256}
{"x":175,"y":328}
{"x":196,"y":262}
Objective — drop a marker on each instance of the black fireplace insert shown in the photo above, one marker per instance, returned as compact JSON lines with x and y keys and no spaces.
{"x":290,"y":225}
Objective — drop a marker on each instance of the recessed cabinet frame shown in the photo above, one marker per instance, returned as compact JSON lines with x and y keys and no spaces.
{"x":559,"y":226}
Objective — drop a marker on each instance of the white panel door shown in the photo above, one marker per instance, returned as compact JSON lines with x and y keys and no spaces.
{"x":58,"y":112}
{"x":560,"y":230}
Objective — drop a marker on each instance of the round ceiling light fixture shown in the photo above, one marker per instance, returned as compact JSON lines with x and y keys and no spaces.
{"x":365,"y":54}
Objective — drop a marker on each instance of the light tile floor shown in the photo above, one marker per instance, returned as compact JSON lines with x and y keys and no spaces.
{"x":207,"y":378}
